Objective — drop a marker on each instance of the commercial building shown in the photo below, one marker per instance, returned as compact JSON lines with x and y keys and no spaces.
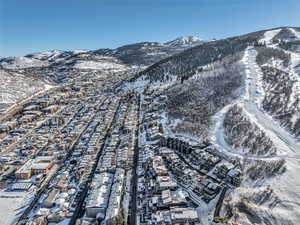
{"x":41,"y":164}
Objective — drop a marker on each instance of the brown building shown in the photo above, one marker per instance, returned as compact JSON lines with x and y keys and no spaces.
{"x":41,"y":164}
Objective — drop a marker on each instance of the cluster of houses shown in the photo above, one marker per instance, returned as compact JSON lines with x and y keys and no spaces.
{"x":59,"y":147}
{"x":161,"y":200}
{"x":48,"y":140}
{"x":109,"y":194}
{"x":171,"y":164}
{"x":204,"y":187}
{"x":204,"y":158}
{"x":66,"y":189}
{"x":38,"y":108}
{"x":77,"y":148}
{"x":52,"y":152}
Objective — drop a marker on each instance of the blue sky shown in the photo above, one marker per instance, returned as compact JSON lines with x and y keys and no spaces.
{"x":28,"y":26}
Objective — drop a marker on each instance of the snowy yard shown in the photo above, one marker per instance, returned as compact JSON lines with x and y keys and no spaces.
{"x":12,"y":203}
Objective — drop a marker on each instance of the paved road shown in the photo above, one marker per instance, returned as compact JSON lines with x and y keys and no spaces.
{"x":79,"y":208}
{"x":220,"y":202}
{"x":133,"y":209}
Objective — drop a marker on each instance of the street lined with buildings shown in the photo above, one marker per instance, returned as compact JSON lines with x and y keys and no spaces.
{"x":85,"y":154}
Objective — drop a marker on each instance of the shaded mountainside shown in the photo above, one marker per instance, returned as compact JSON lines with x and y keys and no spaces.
{"x":280,"y":101}
{"x":147,"y":53}
{"x":293,"y":46}
{"x":285,"y":34}
{"x":212,"y":68}
{"x":195,"y":101}
{"x":191,"y":61}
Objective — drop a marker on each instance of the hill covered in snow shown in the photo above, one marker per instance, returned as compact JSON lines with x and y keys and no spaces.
{"x":241,"y":94}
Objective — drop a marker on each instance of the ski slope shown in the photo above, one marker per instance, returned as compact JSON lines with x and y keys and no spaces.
{"x":285,"y":187}
{"x":295,"y":32}
{"x":284,"y":141}
{"x":288,"y":146}
{"x":268,"y":36}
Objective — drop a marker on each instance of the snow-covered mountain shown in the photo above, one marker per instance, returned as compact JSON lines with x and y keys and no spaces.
{"x":55,"y":62}
{"x":188,"y":41}
{"x":47,"y":55}
{"x":147,"y":53}
{"x":58,"y":66}
{"x":242,"y":94}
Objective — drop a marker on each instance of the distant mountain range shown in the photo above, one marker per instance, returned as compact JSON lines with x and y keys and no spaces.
{"x":53,"y":67}
{"x":140,"y":54}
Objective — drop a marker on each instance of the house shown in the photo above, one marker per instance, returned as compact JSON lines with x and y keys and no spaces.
{"x":234,"y":177}
{"x":31,"y":107}
{"x":41,"y":220}
{"x":210,"y":191}
{"x":27,"y":118}
{"x":183,"y":215}
{"x":22,"y":186}
{"x":42,"y":164}
{"x":170,"y":199}
{"x":51,"y":109}
{"x":24,"y":172}
{"x":175,"y":215}
{"x":221,"y":171}
{"x":165,"y":183}
{"x":98,"y":199}
{"x":4,"y":128}
{"x":49,"y":202}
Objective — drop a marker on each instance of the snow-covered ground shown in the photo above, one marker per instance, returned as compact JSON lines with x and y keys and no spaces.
{"x":287,"y":186}
{"x":285,"y":142}
{"x":101,"y":65}
{"x":16,"y":86}
{"x":12,"y":203}
{"x":22,"y":62}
